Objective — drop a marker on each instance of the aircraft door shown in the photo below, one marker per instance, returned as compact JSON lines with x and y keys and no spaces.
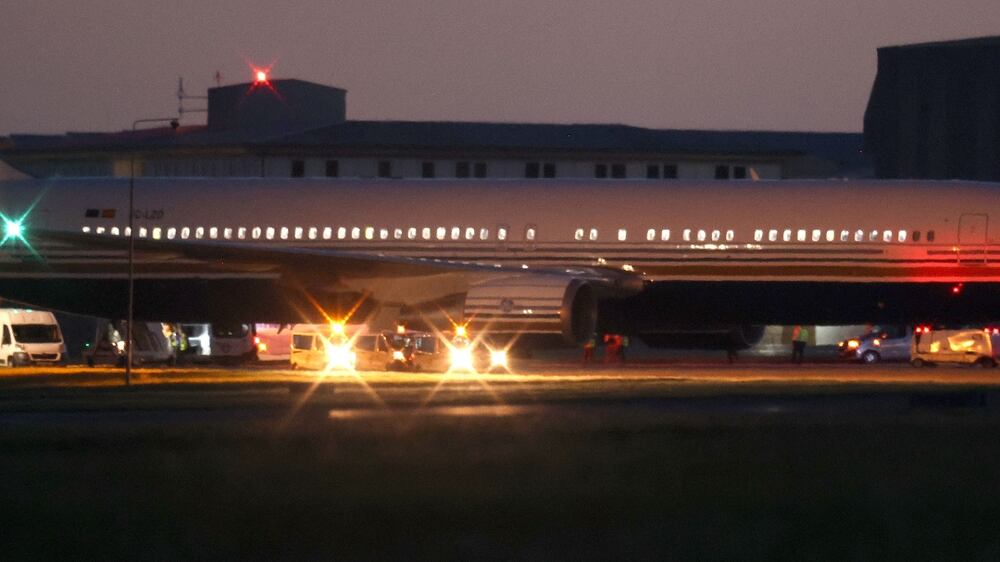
{"x":972,"y":231}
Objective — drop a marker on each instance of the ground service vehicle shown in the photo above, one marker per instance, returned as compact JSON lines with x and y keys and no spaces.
{"x":234,"y":342}
{"x":407,"y":350}
{"x":884,"y":343}
{"x":966,"y":347}
{"x":310,"y":349}
{"x":30,"y":337}
{"x":150,"y":344}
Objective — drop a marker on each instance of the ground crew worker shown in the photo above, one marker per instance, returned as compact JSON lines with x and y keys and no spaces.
{"x":800,"y":335}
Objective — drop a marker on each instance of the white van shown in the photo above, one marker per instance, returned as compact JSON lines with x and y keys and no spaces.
{"x":234,"y":343}
{"x":966,"y":347}
{"x":30,"y":337}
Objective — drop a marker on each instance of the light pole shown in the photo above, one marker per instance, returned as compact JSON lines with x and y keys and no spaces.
{"x":174,"y":123}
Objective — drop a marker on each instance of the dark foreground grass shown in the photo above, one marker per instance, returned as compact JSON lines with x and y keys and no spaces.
{"x":571,"y":482}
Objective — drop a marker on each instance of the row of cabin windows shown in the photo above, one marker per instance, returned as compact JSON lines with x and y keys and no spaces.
{"x":469,"y":169}
{"x":470,"y":233}
{"x":315,"y":233}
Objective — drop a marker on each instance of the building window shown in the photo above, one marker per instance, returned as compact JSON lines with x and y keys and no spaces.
{"x":670,"y":171}
{"x":332,"y":169}
{"x":479,"y":170}
{"x":740,"y":172}
{"x":384,"y":169}
{"x":298,"y":168}
{"x":427,"y":169}
{"x":461,"y":169}
{"x":532,"y":169}
{"x":722,"y":172}
{"x":618,"y":171}
{"x":600,"y":170}
{"x":652,"y":172}
{"x":549,"y":170}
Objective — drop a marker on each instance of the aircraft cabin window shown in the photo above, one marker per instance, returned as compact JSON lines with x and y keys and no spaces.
{"x":185,"y":233}
{"x":687,"y":235}
{"x":730,"y":235}
{"x":241,"y":233}
{"x":859,"y":236}
{"x":456,"y":233}
{"x":772,"y":235}
{"x":425,"y":233}
{"x":255,"y":233}
{"x":758,"y":235}
{"x":578,"y":235}
{"x":787,"y":235}
{"x":801,"y":235}
{"x":100,"y":230}
{"x":916,"y":236}
{"x":502,"y":233}
{"x":441,"y":232}
{"x":716,"y":236}
{"x":227,"y":233}
{"x":298,"y":233}
{"x":665,"y":234}
{"x":171,"y":232}
{"x":369,"y":232}
{"x":592,"y":235}
{"x":85,"y":230}
{"x":622,"y":234}
{"x":650,"y":234}
{"x":114,"y":231}
{"x":470,"y":233}
{"x":845,"y":235}
{"x":411,"y":233}
{"x":529,"y":233}
{"x":355,"y":233}
{"x":816,"y":235}
{"x":341,"y":233}
{"x":199,"y":232}
{"x":902,"y":236}
{"x":484,"y":234}
{"x":397,"y":233}
{"x":887,"y":236}
{"x":128,"y":231}
{"x":701,"y":235}
{"x":284,"y":233}
{"x":313,"y":233}
{"x":930,"y":235}
{"x":383,"y":234}
{"x":156,"y":233}
{"x":831,"y":235}
{"x":873,"y":236}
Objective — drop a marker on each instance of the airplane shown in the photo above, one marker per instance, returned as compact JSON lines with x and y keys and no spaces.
{"x":669,"y":261}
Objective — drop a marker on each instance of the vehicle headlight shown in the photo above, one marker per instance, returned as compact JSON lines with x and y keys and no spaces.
{"x":498,"y":358}
{"x":398,"y":355}
{"x":853,"y":344}
{"x":340,"y":357}
{"x":461,"y":358}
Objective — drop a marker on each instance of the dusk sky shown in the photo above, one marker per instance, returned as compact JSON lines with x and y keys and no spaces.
{"x":72,"y":65}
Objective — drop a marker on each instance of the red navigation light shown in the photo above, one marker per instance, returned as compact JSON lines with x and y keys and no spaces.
{"x":956,"y":289}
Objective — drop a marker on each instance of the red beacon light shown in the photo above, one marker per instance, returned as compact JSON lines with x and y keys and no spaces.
{"x":956,"y":289}
{"x":260,"y":76}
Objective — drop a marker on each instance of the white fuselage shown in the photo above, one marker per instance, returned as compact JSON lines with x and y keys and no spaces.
{"x":784,"y":230}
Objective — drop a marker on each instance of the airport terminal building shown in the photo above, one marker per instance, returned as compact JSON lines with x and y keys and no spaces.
{"x":294,"y":128}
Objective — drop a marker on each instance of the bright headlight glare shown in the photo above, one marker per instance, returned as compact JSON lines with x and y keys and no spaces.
{"x":340,"y":357}
{"x":853,"y":344}
{"x":461,"y":358}
{"x":397,"y":355}
{"x":498,"y":358}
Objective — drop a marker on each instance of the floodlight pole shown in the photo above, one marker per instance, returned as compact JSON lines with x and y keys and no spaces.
{"x":131,"y":242}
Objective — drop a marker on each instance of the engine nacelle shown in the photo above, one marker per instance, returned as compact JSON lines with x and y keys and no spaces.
{"x":535,"y":304}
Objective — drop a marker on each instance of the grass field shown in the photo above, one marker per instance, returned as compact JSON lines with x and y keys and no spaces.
{"x":526,"y":470}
